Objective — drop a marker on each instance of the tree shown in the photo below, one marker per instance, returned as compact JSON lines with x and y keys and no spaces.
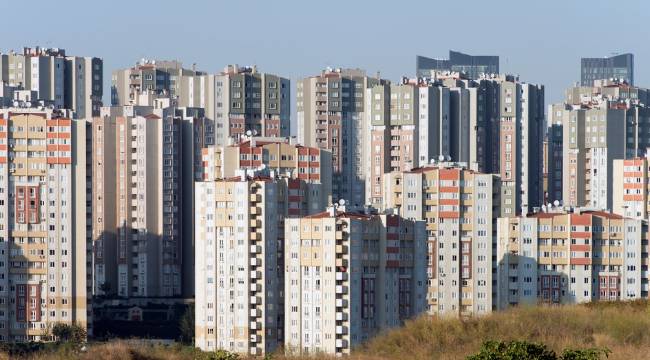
{"x":186,"y":325}
{"x":522,"y":350}
{"x":514,"y":350}
{"x":69,"y":333}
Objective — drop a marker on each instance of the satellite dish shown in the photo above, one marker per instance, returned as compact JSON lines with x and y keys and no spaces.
{"x":441,"y":158}
{"x":28,"y":104}
{"x":342,"y":202}
{"x":248,"y":133}
{"x":556,"y":203}
{"x":263,"y":166}
{"x":448,"y":158}
{"x":254,"y":132}
{"x":16,"y":103}
{"x":543,"y":208}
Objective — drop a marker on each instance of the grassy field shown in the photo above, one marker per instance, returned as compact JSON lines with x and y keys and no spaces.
{"x":624,"y":328}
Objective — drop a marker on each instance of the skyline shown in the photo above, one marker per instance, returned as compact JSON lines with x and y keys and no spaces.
{"x":553,"y":62}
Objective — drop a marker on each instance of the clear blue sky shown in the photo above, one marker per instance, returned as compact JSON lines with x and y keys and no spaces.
{"x":542,"y":41}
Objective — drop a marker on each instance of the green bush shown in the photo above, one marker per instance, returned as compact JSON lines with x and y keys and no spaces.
{"x":523,"y":350}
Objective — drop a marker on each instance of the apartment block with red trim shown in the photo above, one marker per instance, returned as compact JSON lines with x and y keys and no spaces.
{"x":560,"y":257}
{"x":350,"y":275}
{"x":460,"y":208}
{"x":280,"y":155}
{"x":43,"y":222}
{"x":631,"y":187}
{"x":331,"y":110}
{"x":599,"y":124}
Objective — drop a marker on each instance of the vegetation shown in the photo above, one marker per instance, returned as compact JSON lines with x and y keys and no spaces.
{"x":186,"y":326}
{"x":522,"y":350}
{"x":583,"y":332}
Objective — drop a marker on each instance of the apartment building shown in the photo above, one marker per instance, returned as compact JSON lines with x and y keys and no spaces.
{"x":518,"y":153}
{"x":460,"y":208}
{"x":599,"y":124}
{"x":560,"y":257}
{"x":350,"y":275}
{"x":472,"y":65}
{"x":410,"y":123}
{"x":240,"y":257}
{"x":160,"y":77}
{"x":616,"y":66}
{"x":249,"y":100}
{"x":70,"y":82}
{"x":331,"y":111}
{"x":43,"y":227}
{"x":631,"y":188}
{"x":143,"y":178}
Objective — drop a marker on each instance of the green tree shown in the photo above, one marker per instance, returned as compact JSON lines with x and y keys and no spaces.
{"x":69,"y":333}
{"x":585,"y":354}
{"x":186,"y":325}
{"x":523,"y":350}
{"x":219,"y":355}
{"x":514,"y":350}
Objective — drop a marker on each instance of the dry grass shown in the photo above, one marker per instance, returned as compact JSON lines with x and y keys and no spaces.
{"x":624,"y":328}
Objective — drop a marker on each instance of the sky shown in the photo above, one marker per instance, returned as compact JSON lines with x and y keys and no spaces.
{"x":541,"y":41}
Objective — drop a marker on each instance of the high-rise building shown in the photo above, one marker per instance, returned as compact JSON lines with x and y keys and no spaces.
{"x":599,"y":124}
{"x":619,"y":67}
{"x":331,"y":115}
{"x":43,"y":236}
{"x":248,"y":100}
{"x":520,"y":134}
{"x":69,"y":82}
{"x":631,"y":188}
{"x":189,"y":87}
{"x":410,"y":124}
{"x":350,"y":275}
{"x":143,"y":177}
{"x":237,"y":100}
{"x":557,"y":257}
{"x":460,"y":207}
{"x":240,"y":257}
{"x":280,"y":155}
{"x":471,"y":65}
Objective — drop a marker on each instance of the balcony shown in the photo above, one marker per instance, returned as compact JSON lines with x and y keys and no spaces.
{"x":255,"y":210}
{"x":255,"y":313}
{"x":341,"y":276}
{"x":341,"y":343}
{"x":256,"y":236}
{"x":341,"y":303}
{"x":256,"y":198}
{"x":341,"y":289}
{"x":256,"y":274}
{"x":255,"y":338}
{"x":341,"y":249}
{"x":341,"y":316}
{"x":339,"y":235}
{"x":256,"y":223}
{"x":341,"y":330}
{"x":256,"y":287}
{"x":255,"y":351}
{"x":254,"y":325}
{"x":255,"y":300}
{"x":256,"y":262}
{"x":342,"y":262}
{"x":256,"y":249}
